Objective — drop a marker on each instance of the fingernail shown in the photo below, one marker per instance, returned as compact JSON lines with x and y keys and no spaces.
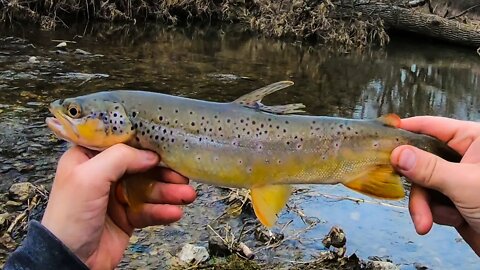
{"x":407,"y":160}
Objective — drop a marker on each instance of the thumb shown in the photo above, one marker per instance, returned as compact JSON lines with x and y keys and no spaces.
{"x":117,"y":160}
{"x":426,"y":169}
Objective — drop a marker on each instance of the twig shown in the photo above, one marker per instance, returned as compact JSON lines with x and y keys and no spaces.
{"x":463,"y":12}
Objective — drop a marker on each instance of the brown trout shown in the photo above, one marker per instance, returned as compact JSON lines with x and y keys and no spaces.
{"x":245,"y":143}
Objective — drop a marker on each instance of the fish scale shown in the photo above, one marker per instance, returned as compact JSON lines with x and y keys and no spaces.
{"x":244,"y":143}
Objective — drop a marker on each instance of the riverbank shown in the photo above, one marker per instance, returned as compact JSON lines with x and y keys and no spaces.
{"x":342,"y":25}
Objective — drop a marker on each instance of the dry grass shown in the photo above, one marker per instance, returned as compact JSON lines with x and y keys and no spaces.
{"x":296,"y":19}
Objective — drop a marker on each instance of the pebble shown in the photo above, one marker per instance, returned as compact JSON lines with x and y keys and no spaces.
{"x":193,"y":254}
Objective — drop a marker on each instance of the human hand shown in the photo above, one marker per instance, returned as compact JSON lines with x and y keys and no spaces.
{"x":433,"y":178}
{"x":84,"y":213}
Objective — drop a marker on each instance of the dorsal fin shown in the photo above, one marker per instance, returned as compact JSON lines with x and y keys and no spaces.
{"x":282,"y":109}
{"x":254,"y":99}
{"x":390,"y":119}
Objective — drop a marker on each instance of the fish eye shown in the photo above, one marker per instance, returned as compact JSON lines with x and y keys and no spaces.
{"x":74,"y":110}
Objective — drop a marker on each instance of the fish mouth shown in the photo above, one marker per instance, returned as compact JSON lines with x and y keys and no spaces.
{"x":61,"y":126}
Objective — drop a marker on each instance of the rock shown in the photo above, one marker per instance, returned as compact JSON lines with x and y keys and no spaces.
{"x":217,"y":247}
{"x":7,"y":242}
{"x":21,"y":191}
{"x":33,"y":60}
{"x":61,"y":45}
{"x":336,"y":238}
{"x":193,"y":254}
{"x":4,"y":218}
{"x":82,"y":52}
{"x":382,"y":265}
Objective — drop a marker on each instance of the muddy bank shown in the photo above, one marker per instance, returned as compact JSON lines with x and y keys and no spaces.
{"x":343,"y":25}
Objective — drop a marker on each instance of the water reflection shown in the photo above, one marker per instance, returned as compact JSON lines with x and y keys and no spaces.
{"x":221,"y":65}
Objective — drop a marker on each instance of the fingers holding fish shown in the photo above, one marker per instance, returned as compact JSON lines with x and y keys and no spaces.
{"x":120,"y":159}
{"x":458,"y":134}
{"x":170,"y":176}
{"x":426,"y":169}
{"x":420,"y":209}
{"x":154,"y":214}
{"x":175,"y":194}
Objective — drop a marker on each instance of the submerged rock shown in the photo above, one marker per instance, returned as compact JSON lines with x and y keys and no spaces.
{"x":193,"y":254}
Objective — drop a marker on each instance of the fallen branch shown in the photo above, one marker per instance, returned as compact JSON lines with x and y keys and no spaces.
{"x":413,"y":21}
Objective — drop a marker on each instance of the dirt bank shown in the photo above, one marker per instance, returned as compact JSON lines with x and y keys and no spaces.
{"x":341,"y":24}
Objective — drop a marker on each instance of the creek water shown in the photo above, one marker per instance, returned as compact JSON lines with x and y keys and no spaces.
{"x":220,"y":64}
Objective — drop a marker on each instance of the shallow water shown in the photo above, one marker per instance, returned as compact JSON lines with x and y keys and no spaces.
{"x":408,"y":78}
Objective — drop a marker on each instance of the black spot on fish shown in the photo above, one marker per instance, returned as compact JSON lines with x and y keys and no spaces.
{"x":286,"y":122}
{"x":172,"y":140}
{"x":314,"y":122}
{"x":115,"y":115}
{"x":156,"y":137}
{"x":238,"y":136}
{"x":176,"y":111}
{"x":215,"y":116}
{"x":219,"y":128}
{"x":141,"y":124}
{"x":191,"y":112}
{"x":356,"y":132}
{"x":284,"y":131}
{"x":193,"y":124}
{"x":241,"y":120}
{"x":132,"y":128}
{"x":134,"y":114}
{"x":200,"y":139}
{"x":349,"y":128}
{"x":116,"y":107}
{"x":341,"y":125}
{"x":137,"y":139}
{"x":121,"y":122}
{"x":135,"y":125}
{"x":143,"y":133}
{"x":269,"y":119}
{"x":160,"y":118}
{"x":228,"y":120}
{"x":115,"y":128}
{"x":162,"y":139}
{"x":159,"y":108}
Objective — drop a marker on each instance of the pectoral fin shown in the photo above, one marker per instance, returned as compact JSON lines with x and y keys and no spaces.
{"x":268,"y":201}
{"x":135,"y":189}
{"x":254,"y":100}
{"x":380,"y":181}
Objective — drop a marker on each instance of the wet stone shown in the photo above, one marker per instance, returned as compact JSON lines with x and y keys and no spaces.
{"x":193,"y":254}
{"x":217,"y":247}
{"x":382,"y":265}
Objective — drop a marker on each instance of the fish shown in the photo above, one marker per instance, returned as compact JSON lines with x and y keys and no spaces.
{"x":244,"y":143}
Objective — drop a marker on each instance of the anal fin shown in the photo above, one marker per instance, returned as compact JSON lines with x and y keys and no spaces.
{"x":381,"y":181}
{"x":268,"y":201}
